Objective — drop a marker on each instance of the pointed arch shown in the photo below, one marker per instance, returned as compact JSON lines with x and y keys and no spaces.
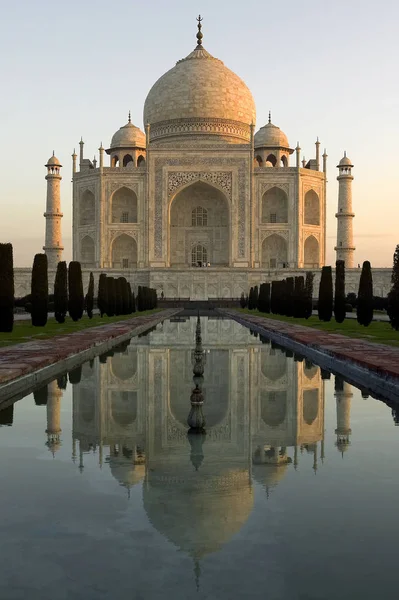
{"x":310,"y":406}
{"x":141,"y":161}
{"x":273,"y":364}
{"x":124,"y":407}
{"x":284,"y":161}
{"x":124,"y":366}
{"x":115,"y":161}
{"x":124,"y":206}
{"x":87,"y":251}
{"x":311,"y":253}
{"x":124,"y":252}
{"x":274,"y":252}
{"x":312,"y":208}
{"x":275,"y":206}
{"x":273,"y":408}
{"x":128,"y":160}
{"x":258,"y":161}
{"x":86,"y":208}
{"x":272,"y":160}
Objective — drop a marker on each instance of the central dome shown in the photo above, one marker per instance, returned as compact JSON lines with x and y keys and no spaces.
{"x":200,"y":96}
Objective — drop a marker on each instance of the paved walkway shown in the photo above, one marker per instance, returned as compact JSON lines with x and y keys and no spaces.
{"x":23,"y":359}
{"x":382,"y":359}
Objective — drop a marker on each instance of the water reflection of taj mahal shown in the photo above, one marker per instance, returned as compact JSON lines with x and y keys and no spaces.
{"x":262,"y":411}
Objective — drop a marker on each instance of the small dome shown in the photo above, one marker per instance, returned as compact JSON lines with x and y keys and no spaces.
{"x":53,"y":162}
{"x":345,"y":161}
{"x":270,"y":136}
{"x":128,"y":136}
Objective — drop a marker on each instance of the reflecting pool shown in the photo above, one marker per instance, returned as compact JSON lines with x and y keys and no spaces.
{"x":291,"y":493}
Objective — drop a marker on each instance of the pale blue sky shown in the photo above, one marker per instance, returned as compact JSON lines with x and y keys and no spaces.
{"x":327,"y":69}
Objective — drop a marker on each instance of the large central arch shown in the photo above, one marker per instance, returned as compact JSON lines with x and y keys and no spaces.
{"x":199,"y":216}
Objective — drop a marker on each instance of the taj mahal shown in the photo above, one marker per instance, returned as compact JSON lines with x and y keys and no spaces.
{"x":201,"y":204}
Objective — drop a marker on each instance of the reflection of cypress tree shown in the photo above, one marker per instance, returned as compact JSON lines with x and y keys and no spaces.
{"x":325,"y":375}
{"x":62,"y":381}
{"x":39,"y":291}
{"x":338,"y":384}
{"x":7,"y":416}
{"x":6,"y":288}
{"x":61,"y":292}
{"x":40,"y":396}
{"x":75,"y":375}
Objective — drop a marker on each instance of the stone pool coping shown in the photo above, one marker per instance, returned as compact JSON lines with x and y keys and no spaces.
{"x":368,"y":365}
{"x":26,"y":365}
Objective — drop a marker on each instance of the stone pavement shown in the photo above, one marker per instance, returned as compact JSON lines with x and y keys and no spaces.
{"x":383,"y":360}
{"x":23,"y":359}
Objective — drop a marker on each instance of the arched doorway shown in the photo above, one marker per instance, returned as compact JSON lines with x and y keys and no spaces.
{"x":124,"y":252}
{"x":124,"y":206}
{"x":274,"y":252}
{"x":311,"y":253}
{"x":199,"y":223}
{"x":312,"y":208}
{"x":87,"y":252}
{"x":86,"y":208}
{"x":273,"y":407}
{"x":275,"y":206}
{"x":310,"y":406}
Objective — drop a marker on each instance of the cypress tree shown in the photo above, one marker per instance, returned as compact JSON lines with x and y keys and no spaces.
{"x":274,"y":297}
{"x":308,"y":295}
{"x":111,"y":299}
{"x":282,"y":309}
{"x":140,"y":299}
{"x":255,"y":297}
{"x":39,"y":291}
{"x":393,"y":296}
{"x":261,"y":298}
{"x":299,"y":297}
{"x":102,"y":294}
{"x":155,"y":299}
{"x":130,"y":298}
{"x":266,"y":292}
{"x":125,"y":296}
{"x":75,"y":291}
{"x":6,"y":288}
{"x":243,"y":301}
{"x":289,"y":297}
{"x":365,"y":296}
{"x":90,"y":297}
{"x":61,"y":292}
{"x":339,"y":298}
{"x":326,"y":294}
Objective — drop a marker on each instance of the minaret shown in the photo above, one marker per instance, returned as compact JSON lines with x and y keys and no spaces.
{"x":53,"y":244}
{"x":343,"y":395}
{"x":345,"y":248}
{"x":53,"y":417}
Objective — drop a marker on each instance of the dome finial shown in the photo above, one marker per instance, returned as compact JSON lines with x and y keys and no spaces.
{"x":129,"y":118}
{"x":199,"y":34}
{"x":270,"y":117}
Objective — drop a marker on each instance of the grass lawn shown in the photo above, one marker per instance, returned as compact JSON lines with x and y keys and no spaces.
{"x":25,"y":332}
{"x":378,"y":331}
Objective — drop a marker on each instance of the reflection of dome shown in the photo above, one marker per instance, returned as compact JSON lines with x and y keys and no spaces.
{"x":270,"y":136}
{"x":128,"y":136}
{"x":124,"y":407}
{"x":124,"y":470}
{"x":269,"y":475}
{"x":123,"y":366}
{"x":200,"y":96}
{"x":199,"y":513}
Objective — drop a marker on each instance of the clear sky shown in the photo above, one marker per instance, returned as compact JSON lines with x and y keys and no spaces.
{"x":327,"y":69}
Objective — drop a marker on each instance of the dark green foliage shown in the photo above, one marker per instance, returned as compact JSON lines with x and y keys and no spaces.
{"x":308,"y":295}
{"x":255,"y":298}
{"x":61,"y":292}
{"x":62,"y":381}
{"x":111,"y":296}
{"x":325,"y":307}
{"x":264,"y":298}
{"x":299,"y":297}
{"x":102,"y":294}
{"x":325,"y":375}
{"x":7,"y":416}
{"x":75,"y":291}
{"x":133,"y":303}
{"x":6,"y":288}
{"x":40,"y":396}
{"x":351,"y":298}
{"x":39,"y":291}
{"x":130,"y":298}
{"x":393,"y":296}
{"x":364,"y":309}
{"x":251,"y":299}
{"x":243,"y":301}
{"x":289,"y":298}
{"x":75,"y":375}
{"x":90,"y":297}
{"x":118,"y":297}
{"x":140,"y":299}
{"x":339,"y":297}
{"x":125,"y":296}
{"x":380,"y":303}
{"x":274,"y":297}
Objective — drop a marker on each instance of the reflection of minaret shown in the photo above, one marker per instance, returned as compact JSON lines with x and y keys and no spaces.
{"x":343,"y":395}
{"x":196,"y":419}
{"x":53,"y":417}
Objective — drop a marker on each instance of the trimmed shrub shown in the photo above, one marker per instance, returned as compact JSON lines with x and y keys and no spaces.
{"x":90,"y":297}
{"x":274,"y":297}
{"x":118,"y":296}
{"x":111,"y":292}
{"x":39,"y":291}
{"x":339,"y":297}
{"x":364,"y":309}
{"x":299,"y":297}
{"x":325,"y":307}
{"x":6,"y":288}
{"x":393,"y":296}
{"x":255,"y":298}
{"x":289,"y":297}
{"x":264,"y":298}
{"x":133,"y":303}
{"x":61,"y":292}
{"x":75,"y":291}
{"x":102,"y":294}
{"x":125,"y":296}
{"x":243,"y":301}
{"x":140,"y":304}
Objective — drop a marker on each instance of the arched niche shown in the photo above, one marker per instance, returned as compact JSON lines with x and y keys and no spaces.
{"x":273,"y":408}
{"x":128,"y":160}
{"x":124,"y":366}
{"x":272,"y":160}
{"x":141,"y":161}
{"x":312,"y":208}
{"x":273,"y":364}
{"x":258,"y":161}
{"x":87,"y":405}
{"x":311,"y":253}
{"x":115,"y":161}
{"x":124,"y":407}
{"x":310,"y":371}
{"x":275,"y":206}
{"x":86,"y":208}
{"x":310,"y":406}
{"x":124,"y":206}
{"x":124,"y":252}
{"x":284,"y":161}
{"x":214,"y":235}
{"x":87,"y":251}
{"x":274,"y":252}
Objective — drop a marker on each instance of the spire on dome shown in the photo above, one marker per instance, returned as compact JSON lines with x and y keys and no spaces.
{"x":270,"y":117}
{"x":199,"y":34}
{"x":129,"y":119}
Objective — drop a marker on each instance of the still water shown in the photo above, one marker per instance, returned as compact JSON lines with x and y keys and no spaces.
{"x":291,"y":494}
